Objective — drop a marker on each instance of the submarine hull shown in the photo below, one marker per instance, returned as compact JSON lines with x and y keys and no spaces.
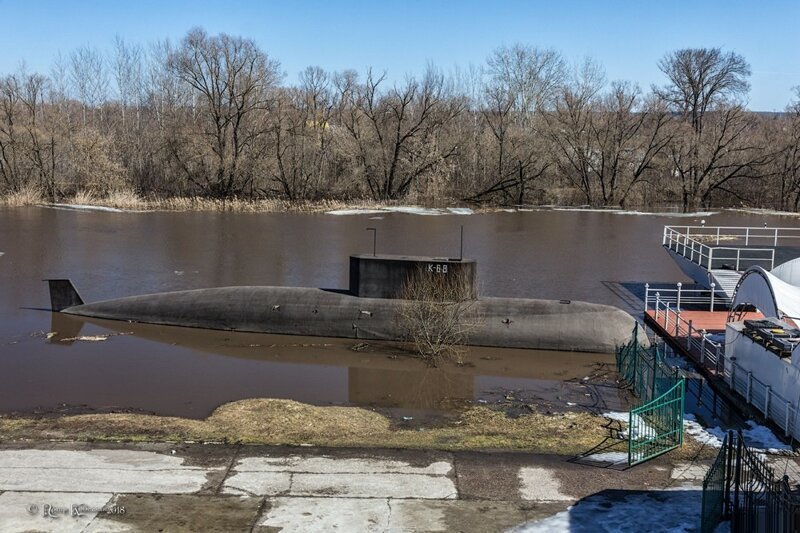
{"x":504,"y":322}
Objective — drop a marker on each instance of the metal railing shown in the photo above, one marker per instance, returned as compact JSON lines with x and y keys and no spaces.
{"x":701,"y":298}
{"x":690,"y":242}
{"x":741,"y":487}
{"x":657,"y":426}
{"x":711,"y":355}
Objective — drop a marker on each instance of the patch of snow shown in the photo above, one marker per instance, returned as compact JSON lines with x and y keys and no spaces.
{"x":607,"y":457}
{"x":756,"y":436}
{"x":83,"y":207}
{"x":409,"y":210}
{"x":710,"y":437}
{"x":87,"y":338}
{"x":641,"y":425}
{"x":354,"y":212}
{"x":617,"y":510}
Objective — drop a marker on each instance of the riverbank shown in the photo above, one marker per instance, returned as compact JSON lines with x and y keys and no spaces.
{"x":286,"y":422}
{"x":130,"y":201}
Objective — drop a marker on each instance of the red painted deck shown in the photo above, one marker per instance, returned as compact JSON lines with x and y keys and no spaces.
{"x":708,"y":321}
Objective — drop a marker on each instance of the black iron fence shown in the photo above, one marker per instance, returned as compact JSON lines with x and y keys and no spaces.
{"x":742,"y":488}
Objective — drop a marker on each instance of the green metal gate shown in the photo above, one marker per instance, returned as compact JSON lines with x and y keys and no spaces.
{"x":656,"y":426}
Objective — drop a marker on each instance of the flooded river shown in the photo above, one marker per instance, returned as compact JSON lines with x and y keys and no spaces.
{"x":178,"y":371}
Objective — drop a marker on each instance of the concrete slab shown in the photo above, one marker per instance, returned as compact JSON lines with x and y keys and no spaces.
{"x":374,"y":486}
{"x":541,"y":484}
{"x":180,"y":513}
{"x":333,"y":465}
{"x":689,"y":472}
{"x":126,"y":471}
{"x":258,"y":483}
{"x":48,"y":511}
{"x":326,"y":514}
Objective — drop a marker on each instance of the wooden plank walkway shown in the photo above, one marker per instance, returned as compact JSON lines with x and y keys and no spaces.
{"x":709,"y":321}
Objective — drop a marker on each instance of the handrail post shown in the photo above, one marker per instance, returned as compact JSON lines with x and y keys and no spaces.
{"x":678,"y":301}
{"x":711,"y":256}
{"x":677,"y":322}
{"x":664,"y":236}
{"x":646,"y":295}
{"x":703,"y":347}
{"x":658,"y":303}
{"x":689,"y":337}
{"x":666,"y":317}
{"x":772,"y":259}
{"x":775,"y":242}
{"x":713,"y":287}
{"x":738,"y":256}
{"x":747,"y":236}
{"x":717,"y":235}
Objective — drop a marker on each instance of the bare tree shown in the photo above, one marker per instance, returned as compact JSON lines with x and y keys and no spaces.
{"x":396,"y":133}
{"x":233,"y":77}
{"x":89,"y":77}
{"x":701,"y":79}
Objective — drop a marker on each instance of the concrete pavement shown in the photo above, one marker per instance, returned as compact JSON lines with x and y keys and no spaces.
{"x":82,"y":487}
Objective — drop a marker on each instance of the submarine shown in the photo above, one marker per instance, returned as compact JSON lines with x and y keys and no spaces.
{"x":368,"y":310}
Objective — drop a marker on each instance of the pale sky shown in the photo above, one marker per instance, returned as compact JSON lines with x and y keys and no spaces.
{"x":627,"y":38}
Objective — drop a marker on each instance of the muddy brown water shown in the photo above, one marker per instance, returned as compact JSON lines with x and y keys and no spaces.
{"x":185,"y":372}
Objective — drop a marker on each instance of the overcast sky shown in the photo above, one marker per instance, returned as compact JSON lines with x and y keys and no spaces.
{"x":627,"y":38}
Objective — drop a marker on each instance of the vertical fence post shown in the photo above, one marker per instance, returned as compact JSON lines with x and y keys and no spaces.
{"x":775,"y":242}
{"x":749,"y":394}
{"x":727,"y":445}
{"x":666,"y":317}
{"x":717,"y":235}
{"x":738,"y":257}
{"x":747,"y":237}
{"x":767,"y":394}
{"x":737,"y":478}
{"x":689,"y":337}
{"x":646,"y":295}
{"x":678,"y":301}
{"x":786,"y":423}
{"x":677,"y":322}
{"x":713,"y":287}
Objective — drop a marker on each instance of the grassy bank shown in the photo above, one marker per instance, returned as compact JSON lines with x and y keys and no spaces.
{"x":287,"y":422}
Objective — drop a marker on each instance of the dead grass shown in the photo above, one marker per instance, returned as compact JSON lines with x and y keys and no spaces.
{"x":287,"y":422}
{"x":23,"y":197}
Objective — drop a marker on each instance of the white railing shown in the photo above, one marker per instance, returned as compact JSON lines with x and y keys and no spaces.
{"x":689,"y":241}
{"x":712,"y":355}
{"x":680,"y":295}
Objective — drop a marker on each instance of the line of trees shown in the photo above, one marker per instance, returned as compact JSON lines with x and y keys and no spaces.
{"x":211,"y":116}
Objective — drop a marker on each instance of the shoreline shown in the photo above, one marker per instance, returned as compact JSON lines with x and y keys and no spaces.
{"x":128,"y":203}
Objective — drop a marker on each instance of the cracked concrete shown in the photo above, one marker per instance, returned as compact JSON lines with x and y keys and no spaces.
{"x":193,"y":487}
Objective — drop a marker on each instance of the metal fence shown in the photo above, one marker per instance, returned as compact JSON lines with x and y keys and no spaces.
{"x":711,"y":355}
{"x":656,"y":425}
{"x":713,"y":506}
{"x":692,"y":245}
{"x":742,"y":488}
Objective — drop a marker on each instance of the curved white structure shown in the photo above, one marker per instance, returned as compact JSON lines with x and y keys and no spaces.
{"x":768,"y":293}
